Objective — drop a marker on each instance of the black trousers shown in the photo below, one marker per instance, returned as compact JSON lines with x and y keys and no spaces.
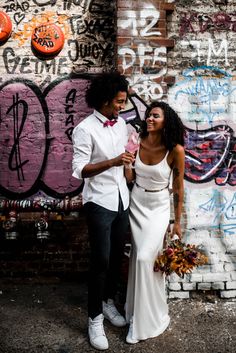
{"x":107,"y":231}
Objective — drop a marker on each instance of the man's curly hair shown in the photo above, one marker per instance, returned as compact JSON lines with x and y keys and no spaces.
{"x":173,"y":132}
{"x":104,"y":88}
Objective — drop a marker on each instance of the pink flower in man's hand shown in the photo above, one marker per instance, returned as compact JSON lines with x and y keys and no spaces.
{"x":133,"y":142}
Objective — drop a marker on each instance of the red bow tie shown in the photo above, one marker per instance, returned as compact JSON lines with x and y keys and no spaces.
{"x":109,"y":122}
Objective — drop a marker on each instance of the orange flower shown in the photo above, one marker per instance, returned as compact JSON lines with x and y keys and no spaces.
{"x":180,"y":258}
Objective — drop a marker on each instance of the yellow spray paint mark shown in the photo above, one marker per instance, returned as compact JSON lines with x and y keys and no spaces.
{"x":51,"y":17}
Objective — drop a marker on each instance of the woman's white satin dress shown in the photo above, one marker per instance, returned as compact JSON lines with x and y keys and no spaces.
{"x":146,"y":298}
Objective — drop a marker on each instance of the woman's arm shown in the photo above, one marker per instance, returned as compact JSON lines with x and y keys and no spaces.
{"x":178,"y":186}
{"x":129,"y":173}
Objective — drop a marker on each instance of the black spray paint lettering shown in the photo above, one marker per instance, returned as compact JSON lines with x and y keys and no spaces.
{"x":92,"y":28}
{"x":15,"y":7}
{"x":15,"y":154}
{"x":92,"y":6}
{"x":101,"y":7}
{"x":66,"y":3}
{"x":14,"y":64}
{"x":82,"y":3}
{"x":18,"y":10}
{"x":45,"y":2}
{"x":88,"y":50}
{"x":43,"y":42}
{"x":70,"y":100}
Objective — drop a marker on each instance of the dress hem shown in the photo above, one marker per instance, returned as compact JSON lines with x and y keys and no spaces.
{"x":157,"y":333}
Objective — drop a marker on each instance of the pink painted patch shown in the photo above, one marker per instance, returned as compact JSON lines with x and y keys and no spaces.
{"x":22,"y":137}
{"x":67,"y":107}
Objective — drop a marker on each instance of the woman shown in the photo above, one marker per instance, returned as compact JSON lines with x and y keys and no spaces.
{"x":161,"y":153}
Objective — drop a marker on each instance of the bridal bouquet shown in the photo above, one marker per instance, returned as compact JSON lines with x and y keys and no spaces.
{"x":180,"y":258}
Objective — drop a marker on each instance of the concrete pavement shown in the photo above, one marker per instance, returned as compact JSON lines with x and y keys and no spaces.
{"x":50,"y":316}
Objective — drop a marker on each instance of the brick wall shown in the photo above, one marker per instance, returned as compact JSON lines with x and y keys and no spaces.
{"x":64,"y":254}
{"x":181,"y":52}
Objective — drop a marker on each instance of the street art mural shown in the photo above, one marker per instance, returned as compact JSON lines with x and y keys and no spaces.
{"x":204,"y":93}
{"x":210,"y":155}
{"x":37,"y":154}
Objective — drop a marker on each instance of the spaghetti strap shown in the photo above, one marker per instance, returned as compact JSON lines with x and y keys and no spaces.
{"x":167,"y":154}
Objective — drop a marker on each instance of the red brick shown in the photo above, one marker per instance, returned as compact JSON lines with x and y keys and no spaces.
{"x":170,"y":80}
{"x":164,"y":42}
{"x":167,"y":6}
{"x":162,"y":15}
{"x":123,"y":41}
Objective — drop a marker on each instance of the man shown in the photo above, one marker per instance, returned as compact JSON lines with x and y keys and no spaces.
{"x":99,"y":157}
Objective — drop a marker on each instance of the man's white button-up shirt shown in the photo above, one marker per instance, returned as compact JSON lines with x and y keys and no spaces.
{"x":93,"y":143}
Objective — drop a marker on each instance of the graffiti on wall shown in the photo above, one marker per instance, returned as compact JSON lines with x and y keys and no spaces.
{"x":193,"y":22}
{"x":142,"y":22}
{"x":36,"y":153}
{"x":203,"y":93}
{"x":213,"y":209}
{"x":33,"y":153}
{"x":94,"y":36}
{"x":144,"y":62}
{"x":208,"y":51}
{"x":89,"y":35}
{"x":18,"y":9}
{"x":211,"y":155}
{"x":220,"y":205}
{"x":31,"y":65}
{"x":94,"y":6}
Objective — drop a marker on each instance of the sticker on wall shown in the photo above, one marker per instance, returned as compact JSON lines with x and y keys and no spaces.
{"x":47,"y":39}
{"x":5,"y":26}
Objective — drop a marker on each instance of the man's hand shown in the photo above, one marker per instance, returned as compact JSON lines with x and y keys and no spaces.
{"x":125,"y":158}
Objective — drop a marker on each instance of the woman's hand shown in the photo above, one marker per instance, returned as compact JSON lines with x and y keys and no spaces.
{"x":176,"y":229}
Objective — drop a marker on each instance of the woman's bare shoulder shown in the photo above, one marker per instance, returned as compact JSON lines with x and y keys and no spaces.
{"x":178,"y":149}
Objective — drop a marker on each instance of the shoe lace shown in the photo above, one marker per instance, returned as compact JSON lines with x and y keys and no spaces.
{"x":98,"y":329}
{"x":112,"y":310}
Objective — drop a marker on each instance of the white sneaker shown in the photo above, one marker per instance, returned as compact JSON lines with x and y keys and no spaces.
{"x":129,"y":338}
{"x":96,"y":333}
{"x":112,"y":314}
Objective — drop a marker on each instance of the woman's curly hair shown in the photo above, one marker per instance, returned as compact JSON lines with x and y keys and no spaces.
{"x":104,"y":88}
{"x":173,"y":132}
